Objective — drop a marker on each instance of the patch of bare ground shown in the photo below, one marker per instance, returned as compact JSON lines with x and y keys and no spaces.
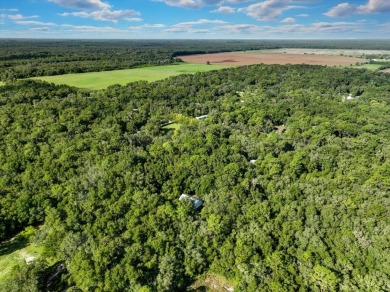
{"x":212,"y":282}
{"x":250,"y":58}
{"x":333,"y":52}
{"x":386,"y":70}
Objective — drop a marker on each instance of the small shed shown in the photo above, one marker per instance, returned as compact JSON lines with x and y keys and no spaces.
{"x":349,"y":97}
{"x":196,"y":202}
{"x":201,"y":117}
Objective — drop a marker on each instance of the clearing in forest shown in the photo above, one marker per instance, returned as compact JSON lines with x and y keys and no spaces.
{"x":103,"y":79}
{"x":14,"y":252}
{"x":170,"y":127}
{"x":249,"y":58}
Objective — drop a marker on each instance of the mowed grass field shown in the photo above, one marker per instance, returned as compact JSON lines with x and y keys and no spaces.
{"x":372,"y":67}
{"x":101,"y":80}
{"x":14,"y":253}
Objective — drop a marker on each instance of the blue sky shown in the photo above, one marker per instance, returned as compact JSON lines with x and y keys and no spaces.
{"x":195,"y":19}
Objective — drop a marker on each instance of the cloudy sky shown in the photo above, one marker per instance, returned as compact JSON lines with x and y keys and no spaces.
{"x":195,"y":19}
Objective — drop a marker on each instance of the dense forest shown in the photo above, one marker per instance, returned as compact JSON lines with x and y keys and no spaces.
{"x":30,"y":58}
{"x":294,"y":178}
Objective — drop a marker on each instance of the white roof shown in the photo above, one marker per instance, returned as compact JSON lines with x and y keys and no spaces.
{"x":196,"y":202}
{"x":201,"y":117}
{"x":183,"y":196}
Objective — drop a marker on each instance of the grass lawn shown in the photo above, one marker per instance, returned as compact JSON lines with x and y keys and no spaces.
{"x":372,"y":67}
{"x":171,"y":127}
{"x":101,"y":80}
{"x":15,"y":252}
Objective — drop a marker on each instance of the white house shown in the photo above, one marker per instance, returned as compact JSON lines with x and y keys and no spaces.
{"x":196,"y":202}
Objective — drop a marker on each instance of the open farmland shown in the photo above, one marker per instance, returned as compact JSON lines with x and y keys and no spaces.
{"x":330,"y":52}
{"x":249,"y":58}
{"x":103,"y":79}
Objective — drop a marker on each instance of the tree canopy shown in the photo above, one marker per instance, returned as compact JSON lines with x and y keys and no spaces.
{"x":294,"y":179}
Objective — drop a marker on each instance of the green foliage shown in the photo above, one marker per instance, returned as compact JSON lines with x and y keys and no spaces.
{"x":25,"y":277}
{"x":300,"y":209}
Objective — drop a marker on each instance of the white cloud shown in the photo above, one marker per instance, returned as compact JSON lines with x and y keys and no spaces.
{"x":20,"y":17}
{"x":200,"y":21}
{"x":384,"y":28}
{"x":240,"y":28}
{"x":196,"y":4}
{"x":146,"y":27}
{"x":107,"y":15}
{"x":9,"y":9}
{"x":303,"y":15}
{"x":288,"y":20}
{"x":185,"y":30}
{"x":342,"y":10}
{"x":224,"y":9}
{"x":266,"y":10}
{"x":375,"y":6}
{"x":317,"y":28}
{"x":193,"y":26}
{"x":39,"y":29}
{"x":82,"y":4}
{"x":157,"y":25}
{"x":372,"y":6}
{"x":92,"y":29}
{"x":32,"y":22}
{"x":271,"y":9}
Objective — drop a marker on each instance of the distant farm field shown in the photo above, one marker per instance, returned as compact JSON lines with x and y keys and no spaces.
{"x":101,"y":80}
{"x":249,"y":58}
{"x":372,"y":67}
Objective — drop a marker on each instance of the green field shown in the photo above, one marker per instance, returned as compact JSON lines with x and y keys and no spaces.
{"x":101,"y":80}
{"x":372,"y":67}
{"x":15,"y":252}
{"x":171,"y":127}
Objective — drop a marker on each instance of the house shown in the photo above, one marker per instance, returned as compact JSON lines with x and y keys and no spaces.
{"x":196,"y":202}
{"x":349,"y":97}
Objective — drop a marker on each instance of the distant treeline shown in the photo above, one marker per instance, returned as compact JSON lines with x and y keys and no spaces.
{"x":29,"y":58}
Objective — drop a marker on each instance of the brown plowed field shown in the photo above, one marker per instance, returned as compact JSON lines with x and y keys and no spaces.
{"x":249,"y":58}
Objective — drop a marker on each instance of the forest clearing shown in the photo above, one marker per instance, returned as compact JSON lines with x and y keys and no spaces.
{"x":250,"y":58}
{"x":103,"y":79}
{"x":14,"y":252}
{"x":197,"y":63}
